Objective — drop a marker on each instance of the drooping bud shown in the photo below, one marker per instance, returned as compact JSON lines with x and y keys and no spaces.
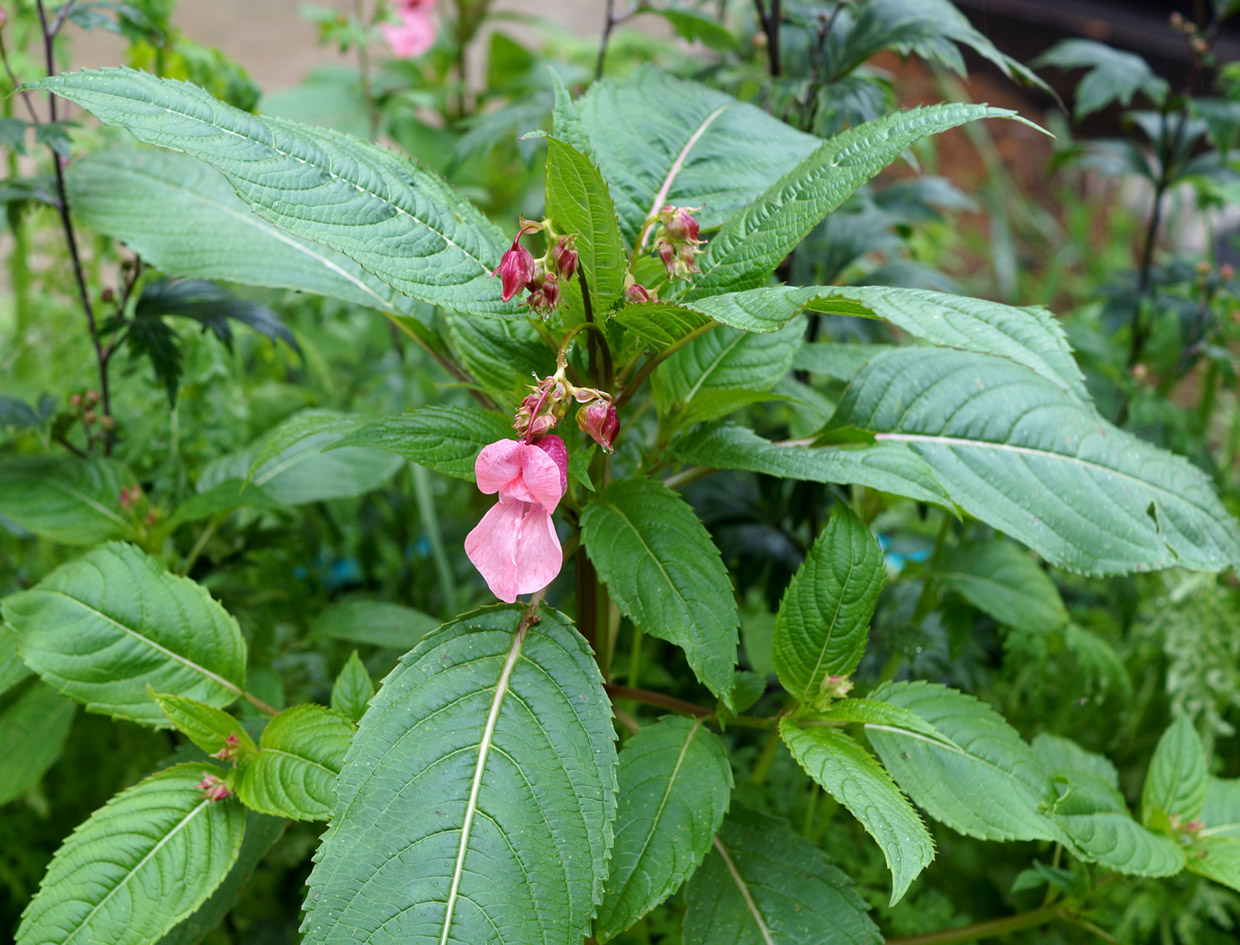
{"x":539,"y":411}
{"x":213,"y":788}
{"x":229,"y":751}
{"x":554,"y":447}
{"x":565,"y":254}
{"x":544,"y":292}
{"x":680,"y":223}
{"x":515,"y":270}
{"x":639,"y":293}
{"x":667,"y":255}
{"x":600,"y":421}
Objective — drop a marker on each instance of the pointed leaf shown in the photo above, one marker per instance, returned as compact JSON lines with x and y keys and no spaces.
{"x":178,"y":847}
{"x":578,"y":202}
{"x":374,"y":623}
{"x":824,"y":617}
{"x":206,"y":726}
{"x":299,"y":756}
{"x":33,"y":729}
{"x":1176,"y":781}
{"x":665,"y":574}
{"x":987,"y":784}
{"x":444,"y":438}
{"x":220,"y":499}
{"x":1003,"y":581}
{"x":12,"y":670}
{"x":1025,"y":456}
{"x":758,"y":239}
{"x":660,"y":324}
{"x":675,"y":784}
{"x":353,"y":689}
{"x":395,"y":218}
{"x":70,"y":500}
{"x":1221,"y":811}
{"x":476,"y":801}
{"x":890,"y":467}
{"x":1218,"y":859}
{"x":103,"y":628}
{"x":765,"y":885}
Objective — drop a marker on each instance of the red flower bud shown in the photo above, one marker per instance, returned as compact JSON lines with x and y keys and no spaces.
{"x":565,"y":257}
{"x":554,"y":447}
{"x":667,"y":253}
{"x":598,"y":419}
{"x":544,"y":293}
{"x":515,"y":270}
{"x":212,"y":788}
{"x":680,"y":223}
{"x":639,"y":293}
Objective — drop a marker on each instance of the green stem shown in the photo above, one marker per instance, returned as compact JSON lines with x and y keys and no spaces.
{"x":979,"y":930}
{"x":647,"y":369}
{"x":762,"y":769}
{"x":434,"y":536}
{"x":635,"y":657}
{"x":259,"y":704}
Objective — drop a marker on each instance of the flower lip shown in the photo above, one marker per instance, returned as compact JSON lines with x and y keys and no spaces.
{"x":521,"y":471}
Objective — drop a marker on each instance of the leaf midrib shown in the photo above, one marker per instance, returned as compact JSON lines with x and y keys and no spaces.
{"x":744,"y":890}
{"x":678,"y":165}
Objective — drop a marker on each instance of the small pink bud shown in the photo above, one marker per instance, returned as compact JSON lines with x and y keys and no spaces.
{"x":680,"y":223}
{"x":837,"y":687}
{"x":75,"y":401}
{"x":212,"y":788}
{"x":599,"y":420}
{"x":639,"y":293}
{"x":667,"y":254}
{"x":515,"y":270}
{"x":544,"y":293}
{"x":229,"y":751}
{"x":565,"y":257}
{"x":1226,"y":272}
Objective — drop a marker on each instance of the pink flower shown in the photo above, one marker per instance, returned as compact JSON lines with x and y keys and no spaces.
{"x":415,"y":33}
{"x":515,"y":546}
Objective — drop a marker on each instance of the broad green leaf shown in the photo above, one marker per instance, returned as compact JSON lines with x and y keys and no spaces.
{"x":1176,"y":780}
{"x":756,"y":240}
{"x":1003,"y":581}
{"x":660,"y":324}
{"x":987,"y":784}
{"x":1221,"y":811}
{"x":147,"y":199}
{"x":837,"y":360}
{"x":1028,"y":336}
{"x":665,"y":574}
{"x":206,"y":726}
{"x":261,"y":833}
{"x":1061,"y":755}
{"x":299,"y":756}
{"x":498,"y":824}
{"x":374,"y":623}
{"x":177,"y":848}
{"x":1113,"y":76}
{"x":1094,"y":818}
{"x":398,"y":220}
{"x":104,"y":627}
{"x":675,"y":784}
{"x":296,"y":463}
{"x":446,"y":439}
{"x":879,"y":716}
{"x":578,"y":203}
{"x":1025,"y":456}
{"x":352,"y":689}
{"x":33,"y":729}
{"x":660,"y":140}
{"x":725,"y":360}
{"x":850,"y":774}
{"x":824,"y":616}
{"x":1217,"y":858}
{"x":890,"y":468}
{"x":12,"y":669}
{"x":502,"y":356}
{"x":566,"y":122}
{"x":220,"y":499}
{"x":70,"y":500}
{"x":762,"y":884}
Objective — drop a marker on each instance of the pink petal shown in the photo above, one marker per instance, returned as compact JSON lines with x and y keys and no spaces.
{"x":518,"y":471}
{"x":515,"y":548}
{"x":413,"y":35}
{"x":498,"y":465}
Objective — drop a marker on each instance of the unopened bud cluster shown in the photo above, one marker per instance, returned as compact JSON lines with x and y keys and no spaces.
{"x":519,"y":271}
{"x":676,"y":241}
{"x":213,"y":788}
{"x":232,"y":746}
{"x":548,"y":402}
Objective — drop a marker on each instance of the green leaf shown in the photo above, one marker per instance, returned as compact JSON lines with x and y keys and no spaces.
{"x":890,"y":467}
{"x":1176,"y":780}
{"x":1095,"y":819}
{"x":261,"y":833}
{"x":987,"y":784}
{"x":104,"y":627}
{"x":566,"y":122}
{"x":769,"y":227}
{"x":220,"y":499}
{"x":675,"y":784}
{"x":880,"y":716}
{"x":1113,"y":76}
{"x":665,"y":574}
{"x":1218,"y":859}
{"x":33,"y":729}
{"x":765,"y":885}
{"x":498,"y":826}
{"x":1003,"y":581}
{"x":70,"y":500}
{"x":1221,"y":811}
{"x":1061,"y":755}
{"x":147,"y":199}
{"x":500,"y":355}
{"x":821,"y":627}
{"x":178,"y":847}
{"x":395,"y":218}
{"x":446,"y":439}
{"x":1028,"y":336}
{"x":206,"y":726}
{"x":835,"y":360}
{"x":725,"y":360}
{"x":12,"y":669}
{"x":850,"y":774}
{"x":353,"y":689}
{"x":299,"y":757}
{"x":578,"y":202}
{"x":660,"y":324}
{"x":1025,"y":456}
{"x":660,"y":140}
{"x":374,"y":623}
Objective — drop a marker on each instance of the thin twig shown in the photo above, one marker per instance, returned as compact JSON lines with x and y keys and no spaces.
{"x":647,"y":369}
{"x":17,"y":83}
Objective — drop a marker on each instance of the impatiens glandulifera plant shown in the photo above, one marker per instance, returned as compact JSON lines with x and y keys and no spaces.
{"x":478,"y":794}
